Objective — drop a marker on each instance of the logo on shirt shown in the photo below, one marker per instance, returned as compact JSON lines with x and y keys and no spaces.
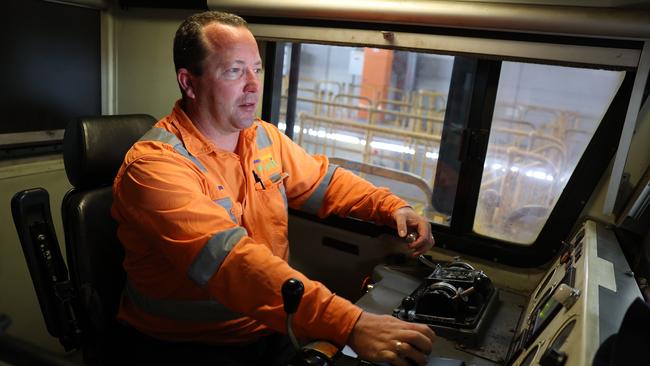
{"x":265,"y":163}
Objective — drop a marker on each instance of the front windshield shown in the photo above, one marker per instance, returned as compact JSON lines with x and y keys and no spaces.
{"x":381,"y":113}
{"x":377,"y":112}
{"x":543,"y":119}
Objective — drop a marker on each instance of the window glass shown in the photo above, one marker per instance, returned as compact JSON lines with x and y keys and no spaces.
{"x":544,"y":118}
{"x":374,"y":111}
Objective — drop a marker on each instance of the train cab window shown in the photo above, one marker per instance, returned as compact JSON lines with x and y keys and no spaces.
{"x":544,"y":117}
{"x":379,"y":112}
{"x":497,"y":140}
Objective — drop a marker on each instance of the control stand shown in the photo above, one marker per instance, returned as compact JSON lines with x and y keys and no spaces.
{"x":455,"y":300}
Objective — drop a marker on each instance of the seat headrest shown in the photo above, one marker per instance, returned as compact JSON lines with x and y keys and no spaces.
{"x":94,"y":147}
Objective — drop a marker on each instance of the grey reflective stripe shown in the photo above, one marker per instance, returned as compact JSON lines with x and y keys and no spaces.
{"x":315,"y":201}
{"x":262,"y":140}
{"x":226,"y":203}
{"x":181,"y":310}
{"x":215,"y":250}
{"x":276,"y":177}
{"x":284,"y":198}
{"x":159,"y":134}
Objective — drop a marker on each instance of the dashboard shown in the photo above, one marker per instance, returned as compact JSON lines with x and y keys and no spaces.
{"x":580,"y":301}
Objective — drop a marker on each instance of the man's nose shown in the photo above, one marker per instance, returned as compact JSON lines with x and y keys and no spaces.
{"x":252,"y":81}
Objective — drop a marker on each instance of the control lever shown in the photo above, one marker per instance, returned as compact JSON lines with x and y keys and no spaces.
{"x":413,"y":236}
{"x":481,"y":284}
{"x":318,"y":353}
{"x":292,"y":291}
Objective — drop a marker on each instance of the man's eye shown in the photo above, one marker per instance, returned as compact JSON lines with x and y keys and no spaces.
{"x":233,"y":72}
{"x":257,"y":71}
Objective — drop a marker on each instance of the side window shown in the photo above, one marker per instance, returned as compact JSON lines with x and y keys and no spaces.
{"x":377,"y":112}
{"x":543,"y":119}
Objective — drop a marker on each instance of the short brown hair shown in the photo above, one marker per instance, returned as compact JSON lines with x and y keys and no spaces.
{"x":189,"y":48}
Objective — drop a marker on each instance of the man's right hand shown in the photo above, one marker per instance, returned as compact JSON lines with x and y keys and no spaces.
{"x":384,"y":338}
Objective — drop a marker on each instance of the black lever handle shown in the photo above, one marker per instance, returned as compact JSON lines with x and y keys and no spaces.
{"x":292,"y":291}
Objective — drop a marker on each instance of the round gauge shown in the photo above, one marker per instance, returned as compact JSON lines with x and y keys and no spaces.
{"x":528,"y":360}
{"x":563,"y":334}
{"x":545,"y":282}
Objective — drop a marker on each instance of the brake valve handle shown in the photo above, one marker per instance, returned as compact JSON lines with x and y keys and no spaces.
{"x":413,"y":236}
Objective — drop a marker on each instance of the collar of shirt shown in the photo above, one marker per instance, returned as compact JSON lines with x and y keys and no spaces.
{"x":194,"y":141}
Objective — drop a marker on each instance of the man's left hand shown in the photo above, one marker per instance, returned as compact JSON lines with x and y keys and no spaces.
{"x":406,"y":218}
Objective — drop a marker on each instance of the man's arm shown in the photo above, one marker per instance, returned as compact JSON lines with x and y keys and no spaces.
{"x":166,"y":198}
{"x":377,"y":338}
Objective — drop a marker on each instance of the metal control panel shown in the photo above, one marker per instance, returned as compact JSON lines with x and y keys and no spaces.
{"x":572,"y":311}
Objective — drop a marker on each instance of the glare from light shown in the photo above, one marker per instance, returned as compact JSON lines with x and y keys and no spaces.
{"x":432,"y":155}
{"x":539,"y":174}
{"x":392,"y":147}
{"x":345,"y":138}
{"x":386,"y":146}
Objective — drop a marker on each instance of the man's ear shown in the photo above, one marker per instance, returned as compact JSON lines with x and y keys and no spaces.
{"x":186,"y":82}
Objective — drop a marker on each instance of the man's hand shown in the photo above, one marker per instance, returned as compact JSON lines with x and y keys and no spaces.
{"x":406,"y":218}
{"x":384,"y":338}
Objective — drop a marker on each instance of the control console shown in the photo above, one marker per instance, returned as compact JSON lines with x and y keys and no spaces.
{"x":455,"y":300}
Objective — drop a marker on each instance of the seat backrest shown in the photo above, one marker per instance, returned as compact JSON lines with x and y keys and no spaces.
{"x":94,"y":149}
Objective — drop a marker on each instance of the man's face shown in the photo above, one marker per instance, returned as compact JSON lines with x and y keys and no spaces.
{"x":228,"y":90}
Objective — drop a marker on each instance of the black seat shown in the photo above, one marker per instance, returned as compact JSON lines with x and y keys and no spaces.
{"x":81,"y":312}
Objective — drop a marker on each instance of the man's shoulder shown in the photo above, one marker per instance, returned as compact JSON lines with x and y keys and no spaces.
{"x":270,"y":129}
{"x":160,"y":141}
{"x":266,"y":125}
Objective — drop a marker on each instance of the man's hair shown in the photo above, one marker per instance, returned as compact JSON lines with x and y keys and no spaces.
{"x":189,"y":46}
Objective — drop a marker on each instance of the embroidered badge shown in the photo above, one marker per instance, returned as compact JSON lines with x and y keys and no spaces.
{"x":265,"y":163}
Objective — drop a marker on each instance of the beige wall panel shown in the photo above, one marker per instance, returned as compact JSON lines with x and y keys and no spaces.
{"x":145,"y":77}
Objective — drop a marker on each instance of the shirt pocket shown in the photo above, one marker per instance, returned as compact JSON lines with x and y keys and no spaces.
{"x":271,"y":190}
{"x":270,"y":182}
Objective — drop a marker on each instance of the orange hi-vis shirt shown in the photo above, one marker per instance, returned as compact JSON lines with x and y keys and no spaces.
{"x":205,"y":233}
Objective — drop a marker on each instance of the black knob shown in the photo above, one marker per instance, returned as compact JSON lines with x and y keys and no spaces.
{"x":408,"y":303}
{"x":292,"y":291}
{"x":482,"y":284}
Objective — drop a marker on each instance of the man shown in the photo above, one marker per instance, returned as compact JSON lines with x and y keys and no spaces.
{"x":201,"y":201}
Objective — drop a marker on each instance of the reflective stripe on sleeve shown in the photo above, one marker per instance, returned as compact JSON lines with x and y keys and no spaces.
{"x":284,"y":198}
{"x":182,"y":310}
{"x":226,"y":203}
{"x":315,"y":201}
{"x":262,"y":140}
{"x":215,"y":250}
{"x":159,"y":134}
